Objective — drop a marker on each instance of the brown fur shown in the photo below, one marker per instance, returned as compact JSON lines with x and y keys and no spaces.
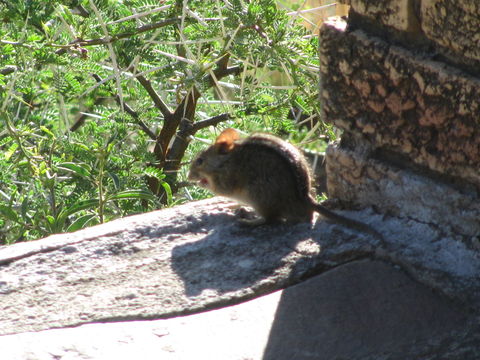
{"x":265,"y":172}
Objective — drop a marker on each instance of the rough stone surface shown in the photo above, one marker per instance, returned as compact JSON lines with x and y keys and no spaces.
{"x":234,"y":333}
{"x":362,"y":310}
{"x":402,"y":192}
{"x":454,"y":24}
{"x":316,"y":161}
{"x":180,"y":260}
{"x":447,"y":29}
{"x":423,"y":110}
{"x":399,"y":14}
{"x":196,"y":257}
{"x":367,"y":310}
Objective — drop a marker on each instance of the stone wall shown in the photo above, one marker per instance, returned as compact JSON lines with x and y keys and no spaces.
{"x":401,"y":79}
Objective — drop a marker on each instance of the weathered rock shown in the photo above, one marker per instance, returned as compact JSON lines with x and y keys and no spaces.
{"x":399,"y":14}
{"x":402,"y":192}
{"x":447,"y":29}
{"x":236,"y":332}
{"x":401,"y":79}
{"x":368,"y":310}
{"x":423,"y":110}
{"x":362,"y":310}
{"x":453,"y":25}
{"x":196,"y":257}
{"x":176,"y":261}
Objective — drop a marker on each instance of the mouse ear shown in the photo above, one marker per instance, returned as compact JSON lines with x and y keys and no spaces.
{"x":225,"y":142}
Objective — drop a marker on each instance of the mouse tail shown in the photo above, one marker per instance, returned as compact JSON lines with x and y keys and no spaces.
{"x":353,"y":224}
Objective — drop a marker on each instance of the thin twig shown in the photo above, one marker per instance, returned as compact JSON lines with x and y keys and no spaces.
{"x":16,"y":43}
{"x":139,"y":15}
{"x":159,"y":103}
{"x":111,"y":39}
{"x":135,"y":115}
{"x":131,"y":112}
{"x":222,"y":72}
{"x":214,"y":120}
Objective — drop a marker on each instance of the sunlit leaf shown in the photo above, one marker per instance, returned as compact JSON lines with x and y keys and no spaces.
{"x":79,"y":206}
{"x":78,"y":169}
{"x":131,"y":195}
{"x":8,"y":212}
{"x":81,"y":222}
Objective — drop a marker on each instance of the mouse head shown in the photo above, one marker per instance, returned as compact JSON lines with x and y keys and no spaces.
{"x":209,"y":165}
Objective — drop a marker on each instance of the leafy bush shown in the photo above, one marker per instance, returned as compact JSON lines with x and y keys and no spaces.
{"x":100,"y":100}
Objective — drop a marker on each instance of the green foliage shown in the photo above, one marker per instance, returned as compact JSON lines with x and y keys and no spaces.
{"x":76,"y":143}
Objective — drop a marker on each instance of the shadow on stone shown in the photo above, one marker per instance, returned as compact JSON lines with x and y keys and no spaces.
{"x":253,"y":252}
{"x":362,"y":310}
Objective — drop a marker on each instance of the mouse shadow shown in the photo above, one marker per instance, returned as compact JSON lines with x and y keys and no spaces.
{"x":232,"y":256}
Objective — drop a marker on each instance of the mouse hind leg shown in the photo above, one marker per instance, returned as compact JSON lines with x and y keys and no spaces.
{"x":298,"y":213}
{"x":267,"y":215}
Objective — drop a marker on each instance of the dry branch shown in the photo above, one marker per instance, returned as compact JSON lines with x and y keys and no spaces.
{"x":110,"y":39}
{"x":159,"y":103}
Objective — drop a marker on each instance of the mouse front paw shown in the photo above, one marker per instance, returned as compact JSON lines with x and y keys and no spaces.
{"x":245,"y":213}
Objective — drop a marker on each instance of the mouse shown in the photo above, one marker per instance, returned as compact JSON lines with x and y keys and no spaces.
{"x":267,"y":173}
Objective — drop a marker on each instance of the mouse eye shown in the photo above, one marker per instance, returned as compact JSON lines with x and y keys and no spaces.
{"x":199,"y":161}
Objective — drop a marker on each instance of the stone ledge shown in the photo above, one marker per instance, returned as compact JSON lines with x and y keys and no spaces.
{"x":424,"y":110}
{"x":361,"y":310}
{"x":196,"y":257}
